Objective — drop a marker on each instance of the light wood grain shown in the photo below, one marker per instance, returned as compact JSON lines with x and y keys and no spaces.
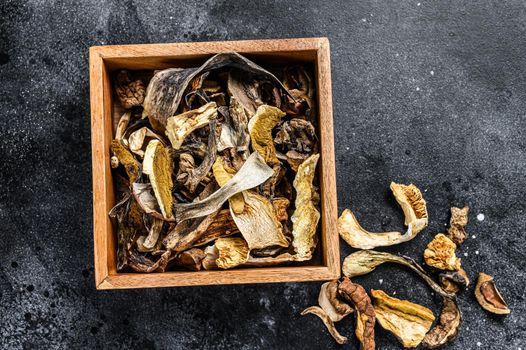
{"x":105,"y":59}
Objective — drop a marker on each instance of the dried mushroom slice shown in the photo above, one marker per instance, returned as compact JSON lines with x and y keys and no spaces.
{"x":253,"y":173}
{"x":305,"y":217}
{"x":125,"y":157}
{"x":489,"y":297}
{"x":414,"y":207}
{"x":153,"y":236}
{"x":137,"y":138}
{"x":122,"y":125}
{"x":157,"y":164}
{"x":329,"y":302}
{"x":232,"y":251}
{"x":180,"y":126}
{"x":459,"y":219}
{"x":281,"y":205}
{"x":409,"y":322}
{"x":365,"y":315}
{"x":211,"y":255}
{"x":222,"y":176}
{"x":258,"y":223}
{"x":301,"y":87}
{"x":260,"y":128}
{"x":222,"y":226}
{"x":298,"y":137}
{"x":365,"y":261}
{"x":448,"y":325}
{"x":129,"y":93}
{"x":190,"y":259}
{"x":452,"y":281}
{"x":327,"y":321}
{"x":440,"y":253}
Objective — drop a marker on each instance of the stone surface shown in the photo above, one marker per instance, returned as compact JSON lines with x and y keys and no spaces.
{"x":429,"y":92}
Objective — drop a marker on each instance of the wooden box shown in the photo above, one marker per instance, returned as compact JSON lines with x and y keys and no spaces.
{"x":105,"y":59}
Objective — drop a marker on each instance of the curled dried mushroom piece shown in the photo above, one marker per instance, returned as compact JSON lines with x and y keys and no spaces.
{"x":125,"y":157}
{"x":459,"y":219}
{"x":365,"y":315}
{"x":415,"y":212}
{"x":327,"y":321}
{"x":448,"y":326}
{"x":440,"y":253}
{"x":409,"y":322}
{"x":232,"y":251}
{"x":329,"y":302}
{"x":260,"y":127}
{"x":365,"y":261}
{"x":180,"y":126}
{"x":129,"y":93}
{"x":488,"y":295}
{"x":158,"y":165}
{"x":452,"y":281}
{"x":305,"y":218}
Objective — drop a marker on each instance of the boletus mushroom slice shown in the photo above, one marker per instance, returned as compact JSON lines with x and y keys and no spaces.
{"x":489,"y":296}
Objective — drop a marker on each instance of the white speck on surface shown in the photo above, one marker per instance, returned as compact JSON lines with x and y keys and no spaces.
{"x":171,"y":17}
{"x":479,"y":343}
{"x":480,"y":217}
{"x":477,"y":252}
{"x":418,"y":4}
{"x":432,"y":72}
{"x":347,"y":148}
{"x":473,"y":236}
{"x":466,"y":254}
{"x":467,"y":328}
{"x":394,"y":293}
{"x":417,"y":89}
{"x":364,"y":19}
{"x":380,"y":281}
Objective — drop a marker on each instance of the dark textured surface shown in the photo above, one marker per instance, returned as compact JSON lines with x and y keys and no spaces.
{"x":432,"y":93}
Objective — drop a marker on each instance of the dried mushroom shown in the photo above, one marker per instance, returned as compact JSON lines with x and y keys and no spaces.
{"x":231,"y":252}
{"x":260,"y":128}
{"x":305,"y":218}
{"x":448,"y":325}
{"x":409,"y":322}
{"x":329,"y":302}
{"x":125,"y":157}
{"x":488,"y":295}
{"x":414,"y":207}
{"x":258,"y":223}
{"x":365,"y":315}
{"x":190,"y":259}
{"x":137,"y":139}
{"x":222,"y":176}
{"x":365,"y":261}
{"x":452,"y":281}
{"x":158,"y":165}
{"x":327,"y":321}
{"x":440,"y":253}
{"x":129,"y":93}
{"x":459,"y":219}
{"x":298,"y":138}
{"x":180,"y":126}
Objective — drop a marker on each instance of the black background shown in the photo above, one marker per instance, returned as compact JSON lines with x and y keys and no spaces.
{"x":428,"y":92}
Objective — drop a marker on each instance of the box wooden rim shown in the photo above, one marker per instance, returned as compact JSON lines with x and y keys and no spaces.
{"x":100,"y":57}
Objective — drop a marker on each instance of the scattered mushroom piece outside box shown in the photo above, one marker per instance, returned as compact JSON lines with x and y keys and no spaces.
{"x":106,"y":63}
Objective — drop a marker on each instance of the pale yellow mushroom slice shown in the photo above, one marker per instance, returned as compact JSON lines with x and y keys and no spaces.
{"x":409,"y":322}
{"x":414,"y":208}
{"x":180,"y":126}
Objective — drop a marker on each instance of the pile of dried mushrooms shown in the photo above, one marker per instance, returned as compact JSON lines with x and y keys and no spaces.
{"x":215,"y":166}
{"x":412,"y":324}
